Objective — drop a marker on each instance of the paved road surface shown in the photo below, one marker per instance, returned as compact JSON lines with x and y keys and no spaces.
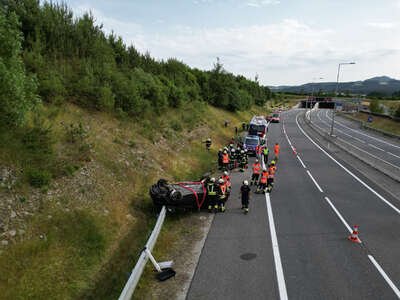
{"x":311,"y":257}
{"x":386,"y":149}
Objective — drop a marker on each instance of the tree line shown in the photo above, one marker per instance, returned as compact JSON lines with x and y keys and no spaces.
{"x":50,"y":55}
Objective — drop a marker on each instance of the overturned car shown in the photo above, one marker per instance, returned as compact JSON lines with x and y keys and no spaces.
{"x":187,"y":195}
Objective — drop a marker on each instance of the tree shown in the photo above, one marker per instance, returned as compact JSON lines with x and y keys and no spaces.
{"x":17,"y":90}
{"x":375,"y":106}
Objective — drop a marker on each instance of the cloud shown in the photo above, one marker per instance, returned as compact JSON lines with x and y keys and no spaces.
{"x":286,"y":51}
{"x":259,"y":3}
{"x":381,"y":25}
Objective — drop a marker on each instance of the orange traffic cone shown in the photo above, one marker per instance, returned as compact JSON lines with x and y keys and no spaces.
{"x":353,"y":237}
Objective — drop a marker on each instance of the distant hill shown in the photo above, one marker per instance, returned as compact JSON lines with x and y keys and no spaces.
{"x":382,"y":84}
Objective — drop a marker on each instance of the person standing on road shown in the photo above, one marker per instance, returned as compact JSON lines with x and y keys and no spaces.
{"x":256,"y":172}
{"x":276,"y":150}
{"x":225,"y":160}
{"x":227,"y":180}
{"x":265,"y":154}
{"x":221,"y":196}
{"x":211,"y":194}
{"x":245,"y":193}
{"x":271,"y":176}
{"x":262,"y":186}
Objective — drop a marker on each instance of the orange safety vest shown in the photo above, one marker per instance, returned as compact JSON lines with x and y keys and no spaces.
{"x":225,"y":158}
{"x":227,"y":180}
{"x":258,"y":149}
{"x":256,"y":168}
{"x":264,"y":176}
{"x":272,"y":169}
{"x":276,"y":149}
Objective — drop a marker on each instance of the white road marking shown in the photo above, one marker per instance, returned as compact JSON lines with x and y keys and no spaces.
{"x":341,"y":131}
{"x":390,"y":153}
{"x":275,"y":249}
{"x":359,"y":132}
{"x":315,"y":182}
{"x":385,"y":276}
{"x":374,"y":156}
{"x":373,"y":146}
{"x":348,"y":171}
{"x":304,"y":166}
{"x":339,"y":215}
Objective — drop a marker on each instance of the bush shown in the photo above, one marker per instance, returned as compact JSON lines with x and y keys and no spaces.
{"x":175,"y":125}
{"x":38,"y":178}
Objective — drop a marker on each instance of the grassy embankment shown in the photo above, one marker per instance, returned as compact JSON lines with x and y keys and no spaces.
{"x":79,"y":234}
{"x":384,"y":124}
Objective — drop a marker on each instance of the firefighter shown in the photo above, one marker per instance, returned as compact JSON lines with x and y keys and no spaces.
{"x":211,"y":194}
{"x":225,"y":160}
{"x":277,"y":149}
{"x":256,"y":172}
{"x":208,"y":144}
{"x":273,"y":165}
{"x":220,"y":159}
{"x":227,"y":181}
{"x":232,"y":162}
{"x":265,"y":154}
{"x":270,"y":179}
{"x":221,"y":196}
{"x":243,"y":161}
{"x":262,"y":186}
{"x":258,"y":151}
{"x":245,"y":192}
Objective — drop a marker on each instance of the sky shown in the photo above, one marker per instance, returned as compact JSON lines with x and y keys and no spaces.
{"x":283,"y":42}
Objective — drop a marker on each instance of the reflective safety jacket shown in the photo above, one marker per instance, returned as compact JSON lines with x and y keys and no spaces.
{"x":256,"y":168}
{"x":258,"y":149}
{"x":276,"y":149}
{"x":227,"y":180}
{"x":225,"y":158}
{"x":272,"y":169}
{"x":264,"y":176}
{"x":265,"y":150}
{"x":222,"y":191}
{"x":211,"y":189}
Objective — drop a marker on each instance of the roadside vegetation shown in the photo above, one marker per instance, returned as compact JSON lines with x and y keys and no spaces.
{"x":381,"y":123}
{"x":87,"y":125}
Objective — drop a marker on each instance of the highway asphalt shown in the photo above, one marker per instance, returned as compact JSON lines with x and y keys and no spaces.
{"x":293,"y":243}
{"x":386,"y":149}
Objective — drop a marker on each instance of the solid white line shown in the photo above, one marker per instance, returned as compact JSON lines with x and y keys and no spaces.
{"x":359,"y":132}
{"x":393,"y":154}
{"x":275,"y":249}
{"x":374,"y":156}
{"x":385,"y":276}
{"x":339,"y":215}
{"x":315,"y":182}
{"x":348,"y":171}
{"x":337,"y":129}
{"x":373,"y":146}
{"x":304,"y":166}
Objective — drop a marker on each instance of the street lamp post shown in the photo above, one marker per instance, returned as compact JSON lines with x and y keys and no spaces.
{"x":336,"y":93}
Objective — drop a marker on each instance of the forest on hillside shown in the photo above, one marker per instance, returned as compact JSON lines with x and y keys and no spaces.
{"x":49,"y":55}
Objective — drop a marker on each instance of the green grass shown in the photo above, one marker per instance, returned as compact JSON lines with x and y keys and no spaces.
{"x":58,"y":262}
{"x":99,"y":221}
{"x":379,"y":123}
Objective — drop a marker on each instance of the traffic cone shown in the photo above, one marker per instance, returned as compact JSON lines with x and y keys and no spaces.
{"x":353,"y":237}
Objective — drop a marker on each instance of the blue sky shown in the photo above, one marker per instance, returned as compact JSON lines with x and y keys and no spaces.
{"x":283,"y":41}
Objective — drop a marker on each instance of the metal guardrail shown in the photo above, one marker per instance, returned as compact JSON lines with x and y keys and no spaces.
{"x":137,"y":271}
